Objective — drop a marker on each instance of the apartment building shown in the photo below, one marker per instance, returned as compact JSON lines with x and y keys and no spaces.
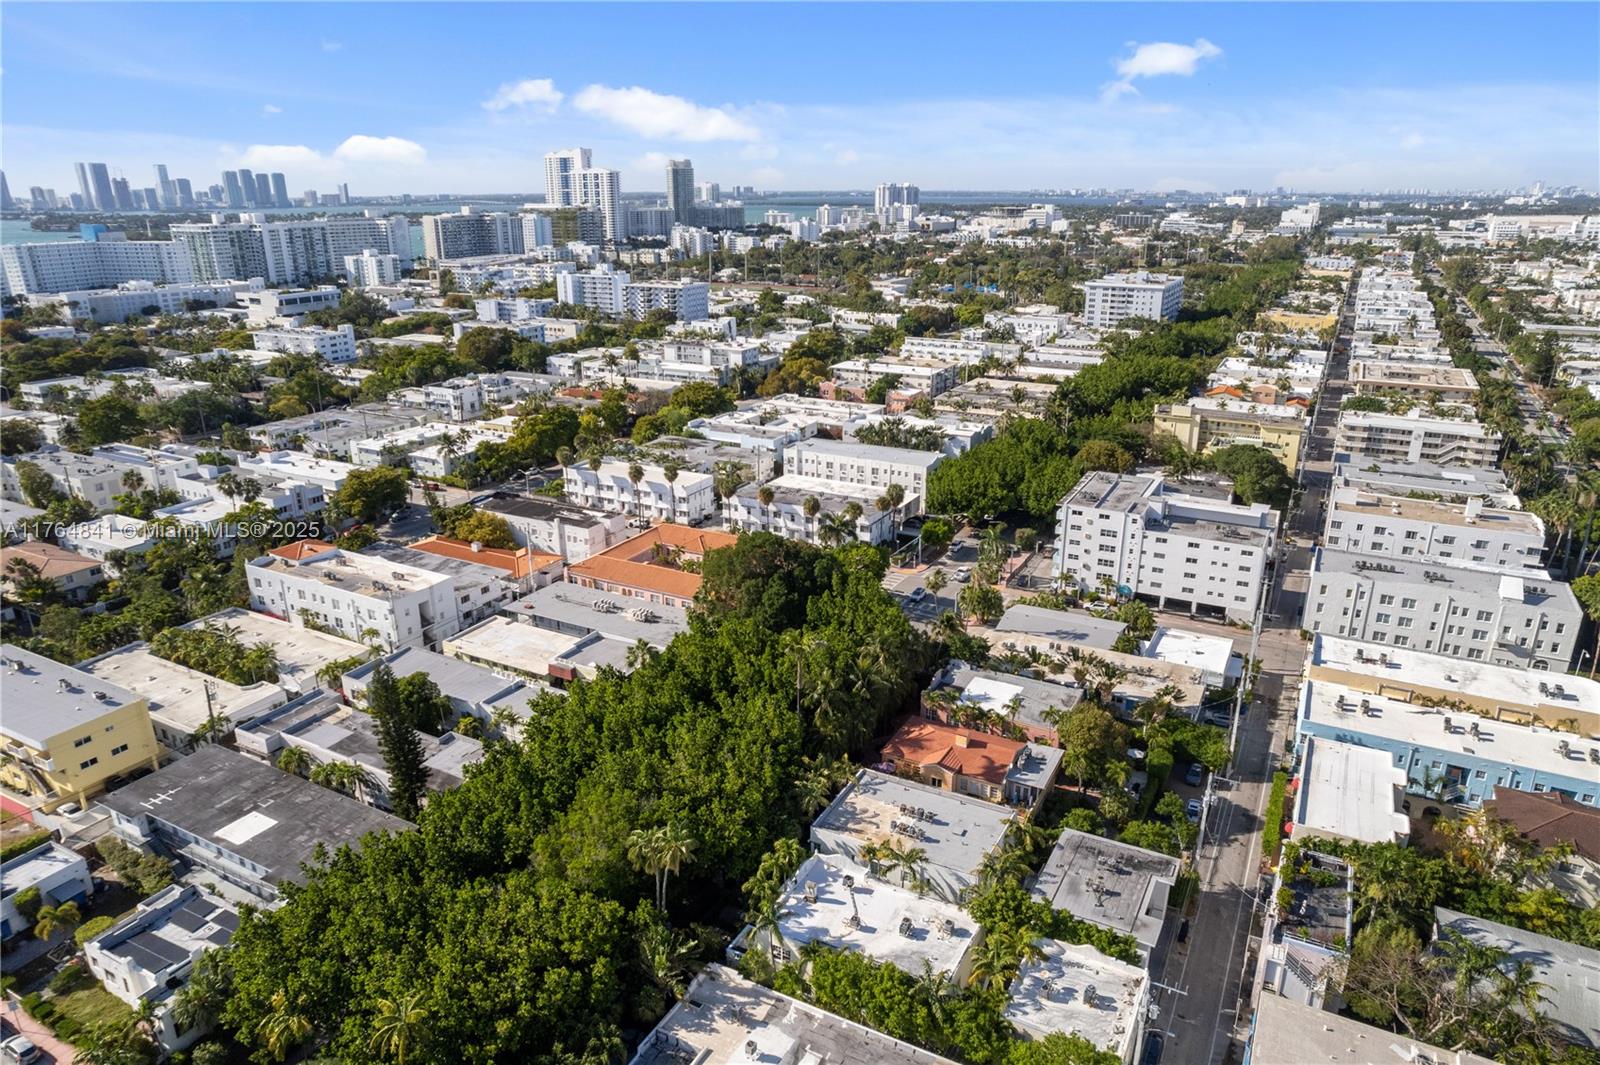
{"x":66,"y":733}
{"x":72,"y":265}
{"x":470,"y":233}
{"x":107,"y":306}
{"x":1111,"y":300}
{"x":660,"y":565}
{"x":1424,"y":480}
{"x":865,"y":465}
{"x":95,"y":482}
{"x":970,"y":762}
{"x":613,"y":292}
{"x":287,"y":305}
{"x":239,"y":820}
{"x":558,"y":527}
{"x":1128,"y":533}
{"x":1206,"y":423}
{"x":372,"y":268}
{"x":351,"y":593}
{"x":369,"y":235}
{"x":791,"y":497}
{"x":930,"y":376}
{"x":56,"y":872}
{"x":1422,"y":382}
{"x":1382,"y":525}
{"x":687,"y":497}
{"x":73,"y":575}
{"x":1416,"y":437}
{"x":1110,"y":884}
{"x":1517,"y":618}
{"x":952,"y":349}
{"x":331,"y":345}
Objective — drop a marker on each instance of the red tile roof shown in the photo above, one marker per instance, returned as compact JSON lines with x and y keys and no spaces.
{"x":300,"y":549}
{"x":634,"y":564}
{"x":1550,"y":818}
{"x":51,"y":561}
{"x":516,"y":562}
{"x":957,"y":750}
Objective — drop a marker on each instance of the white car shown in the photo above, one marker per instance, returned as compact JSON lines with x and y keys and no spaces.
{"x":18,"y":1050}
{"x":918,"y":594}
{"x":963,"y":575}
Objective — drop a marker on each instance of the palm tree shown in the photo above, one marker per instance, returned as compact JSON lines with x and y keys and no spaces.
{"x":908,"y":860}
{"x":811,"y":508}
{"x":563,"y":456}
{"x":200,"y":1002}
{"x":896,"y":496}
{"x":399,"y":1026}
{"x":659,"y":852}
{"x":351,"y":778}
{"x":295,"y":760}
{"x":282,"y":1028}
{"x":62,"y":919}
{"x":767,"y":923}
{"x":635,"y":475}
{"x":766,"y":495}
{"x":670,"y":471}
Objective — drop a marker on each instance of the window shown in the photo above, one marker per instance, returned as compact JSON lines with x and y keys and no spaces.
{"x":1385,"y":600}
{"x":82,"y":740}
{"x":119,"y":749}
{"x":90,"y":762}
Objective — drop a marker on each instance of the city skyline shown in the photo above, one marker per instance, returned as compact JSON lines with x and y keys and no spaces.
{"x":1154,"y":97}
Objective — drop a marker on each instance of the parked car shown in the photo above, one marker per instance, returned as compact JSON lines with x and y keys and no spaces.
{"x":1191,"y":810}
{"x":1196,"y":774}
{"x":19,"y":1050}
{"x":1152,"y":1049}
{"x":963,"y":575}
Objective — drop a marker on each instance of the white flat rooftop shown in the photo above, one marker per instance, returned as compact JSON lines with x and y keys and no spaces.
{"x":301,"y":651}
{"x":1053,"y":995}
{"x":516,"y":644}
{"x":894,"y":924}
{"x":1197,"y":650}
{"x":1350,"y":792}
{"x":1513,"y":687}
{"x":177,"y":694}
{"x":1413,"y":725}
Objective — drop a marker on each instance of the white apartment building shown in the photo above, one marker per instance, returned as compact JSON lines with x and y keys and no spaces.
{"x":1127,"y":533}
{"x":1108,"y":301}
{"x":600,"y":189}
{"x":928,"y":376}
{"x":372,"y":268}
{"x":69,"y":265}
{"x":1415,"y":437}
{"x":511,"y":309}
{"x":600,"y":288}
{"x":687,"y":499}
{"x":1522,"y":619}
{"x":558,"y":527}
{"x":863,"y":465}
{"x":786,"y":514}
{"x":97,"y":483}
{"x":298,"y":467}
{"x":110,"y":305}
{"x":350,"y":593}
{"x":271,"y":305}
{"x":611,"y":291}
{"x":952,"y":349}
{"x":1378,"y":525}
{"x":469,"y":234}
{"x":332,"y":345}
{"x":537,"y":231}
{"x":356,"y":235}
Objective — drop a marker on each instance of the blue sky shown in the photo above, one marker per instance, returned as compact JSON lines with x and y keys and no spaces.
{"x":467,"y":97}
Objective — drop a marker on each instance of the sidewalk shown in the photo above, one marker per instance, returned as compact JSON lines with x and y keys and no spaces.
{"x":57,"y":1051}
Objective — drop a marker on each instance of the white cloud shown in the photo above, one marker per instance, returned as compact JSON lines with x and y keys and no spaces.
{"x":280,"y":157}
{"x":1158,"y":59}
{"x":1413,"y":140}
{"x":654,"y":114}
{"x":331,"y":46}
{"x":540,"y":93}
{"x":271,"y":109}
{"x":364,"y":149}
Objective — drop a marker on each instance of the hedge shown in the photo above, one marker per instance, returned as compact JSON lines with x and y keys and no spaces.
{"x":1272,"y":829}
{"x":23,"y":845}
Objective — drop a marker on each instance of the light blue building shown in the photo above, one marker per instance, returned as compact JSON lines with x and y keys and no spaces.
{"x":1449,"y":754}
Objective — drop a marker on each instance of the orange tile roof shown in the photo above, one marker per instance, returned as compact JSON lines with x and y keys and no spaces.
{"x":51,"y":561}
{"x":300,"y":549}
{"x":633,"y":563}
{"x":958,"y":750}
{"x":517,"y":562}
{"x":1226,"y":390}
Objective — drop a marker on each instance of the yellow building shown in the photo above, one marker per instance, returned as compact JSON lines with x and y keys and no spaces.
{"x":1206,"y":423}
{"x":64,"y":733}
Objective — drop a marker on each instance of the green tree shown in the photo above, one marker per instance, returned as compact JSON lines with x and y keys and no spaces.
{"x":369,"y":495}
{"x":480,"y":526}
{"x":59,"y":920}
{"x":401,"y":1026}
{"x":398,"y":743}
{"x":38,"y":487}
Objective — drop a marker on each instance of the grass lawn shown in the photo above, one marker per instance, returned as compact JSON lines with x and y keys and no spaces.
{"x":92,"y":1006}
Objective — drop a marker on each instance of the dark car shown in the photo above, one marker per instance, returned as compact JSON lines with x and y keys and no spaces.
{"x":1152,"y":1049}
{"x":1195,"y":775}
{"x":1183,"y":931}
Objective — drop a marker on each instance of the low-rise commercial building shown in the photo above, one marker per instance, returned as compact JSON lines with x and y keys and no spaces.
{"x":1348,"y":792}
{"x":1075,"y":990}
{"x":67,"y":732}
{"x":1429,"y":384}
{"x":240,"y":820}
{"x":1110,"y":884}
